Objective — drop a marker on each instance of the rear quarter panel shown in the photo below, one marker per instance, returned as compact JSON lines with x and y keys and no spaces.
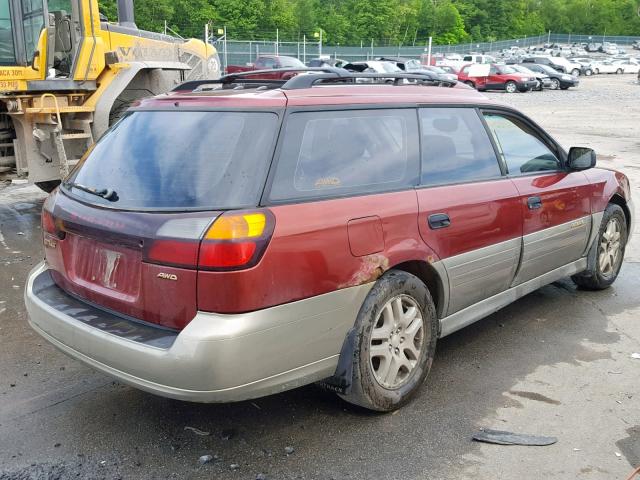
{"x":310,"y":253}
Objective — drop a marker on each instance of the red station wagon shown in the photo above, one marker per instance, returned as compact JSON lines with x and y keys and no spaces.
{"x":223,"y":244}
{"x":501,"y":77}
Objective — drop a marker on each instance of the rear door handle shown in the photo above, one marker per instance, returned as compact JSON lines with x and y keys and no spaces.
{"x":439,"y":220}
{"x":534,"y":203}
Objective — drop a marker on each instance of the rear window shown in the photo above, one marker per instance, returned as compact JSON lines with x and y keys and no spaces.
{"x":158,"y":160}
{"x":328,"y":154}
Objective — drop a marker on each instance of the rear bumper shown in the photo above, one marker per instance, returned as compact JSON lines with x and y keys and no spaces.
{"x":216,"y":358}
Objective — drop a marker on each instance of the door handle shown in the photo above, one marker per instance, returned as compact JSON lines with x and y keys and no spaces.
{"x":534,"y":203}
{"x":439,"y":220}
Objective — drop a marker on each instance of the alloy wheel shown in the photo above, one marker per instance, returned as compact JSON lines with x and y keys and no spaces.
{"x":610,"y":248}
{"x":397,"y":340}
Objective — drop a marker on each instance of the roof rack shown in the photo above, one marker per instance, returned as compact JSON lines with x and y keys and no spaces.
{"x":331,"y":75}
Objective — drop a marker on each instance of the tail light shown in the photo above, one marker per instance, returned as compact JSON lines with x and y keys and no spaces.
{"x":235,"y":240}
{"x":50,"y":225}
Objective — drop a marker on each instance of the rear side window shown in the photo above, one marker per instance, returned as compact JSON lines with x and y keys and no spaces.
{"x":523,"y":151}
{"x":346,"y":152}
{"x":455,"y":147}
{"x":174,"y":160}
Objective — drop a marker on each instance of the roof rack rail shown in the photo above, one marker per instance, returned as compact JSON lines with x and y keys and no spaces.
{"x":239,"y":78}
{"x":316,"y":75}
{"x":308,"y":81}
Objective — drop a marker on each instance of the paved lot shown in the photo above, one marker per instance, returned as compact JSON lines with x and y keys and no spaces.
{"x":558,"y":362}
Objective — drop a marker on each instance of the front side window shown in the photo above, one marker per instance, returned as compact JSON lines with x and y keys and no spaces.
{"x":7,"y":51}
{"x":455,"y":147}
{"x":521,"y":148}
{"x":336,"y":153}
{"x":32,"y":23}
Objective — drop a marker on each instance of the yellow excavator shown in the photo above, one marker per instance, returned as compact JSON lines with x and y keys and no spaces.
{"x":66,"y":74}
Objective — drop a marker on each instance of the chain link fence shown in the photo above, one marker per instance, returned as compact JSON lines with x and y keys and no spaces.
{"x":240,"y":52}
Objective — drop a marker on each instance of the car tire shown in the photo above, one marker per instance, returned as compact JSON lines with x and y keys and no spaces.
{"x":555,"y":84}
{"x":470,"y":83}
{"x":607,"y":252}
{"x":48,"y":186}
{"x":510,"y":87}
{"x":388,"y":367}
{"x":575,"y":72}
{"x":596,"y":71}
{"x":588,"y":72}
{"x":619,"y":71}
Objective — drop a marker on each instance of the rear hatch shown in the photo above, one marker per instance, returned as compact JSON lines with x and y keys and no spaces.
{"x":125,"y":230}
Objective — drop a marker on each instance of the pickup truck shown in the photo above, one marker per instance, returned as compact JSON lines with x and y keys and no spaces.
{"x":269,"y":62}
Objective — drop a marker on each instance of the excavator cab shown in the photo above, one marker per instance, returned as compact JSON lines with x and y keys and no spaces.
{"x":23,"y":22}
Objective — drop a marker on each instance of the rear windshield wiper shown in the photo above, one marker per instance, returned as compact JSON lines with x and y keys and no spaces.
{"x":105,"y":193}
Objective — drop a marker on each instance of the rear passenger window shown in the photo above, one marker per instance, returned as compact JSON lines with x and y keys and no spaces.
{"x":347,"y":152}
{"x":523,"y":151}
{"x":455,"y":147}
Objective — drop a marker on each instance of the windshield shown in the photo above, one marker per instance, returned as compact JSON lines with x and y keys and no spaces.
{"x":290,"y":62}
{"x":505,"y":69}
{"x":7,"y":52}
{"x":410,"y":65}
{"x":175,"y":160}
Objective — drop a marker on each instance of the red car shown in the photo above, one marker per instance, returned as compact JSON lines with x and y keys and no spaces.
{"x":501,"y":77}
{"x":279,"y":65}
{"x":222,"y":245}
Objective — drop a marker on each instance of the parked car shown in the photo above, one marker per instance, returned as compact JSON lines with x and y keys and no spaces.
{"x":560,"y":64}
{"x":609,"y":48}
{"x":628,"y":66}
{"x":636,"y":45}
{"x":586,"y":67}
{"x":373,"y":66}
{"x":327,"y":62}
{"x":607,"y":67}
{"x":448,"y":69}
{"x":217,"y":248}
{"x":411,"y":65}
{"x":544,"y":81}
{"x":500,"y":77}
{"x":593,"y":47}
{"x":559,"y":80}
{"x":270,"y":62}
{"x":447,"y":75}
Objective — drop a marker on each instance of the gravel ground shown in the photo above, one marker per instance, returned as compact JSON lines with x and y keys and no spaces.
{"x":557,"y":362}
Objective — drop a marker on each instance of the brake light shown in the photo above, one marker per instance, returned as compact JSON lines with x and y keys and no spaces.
{"x":233,"y":241}
{"x":236,"y":240}
{"x":48,"y":223}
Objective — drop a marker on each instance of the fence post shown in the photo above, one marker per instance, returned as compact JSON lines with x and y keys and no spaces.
{"x":372,"y":48}
{"x":250,"y":52}
{"x":226,"y":64}
{"x":304,"y":49}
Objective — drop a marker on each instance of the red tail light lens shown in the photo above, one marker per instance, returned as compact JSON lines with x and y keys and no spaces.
{"x":48,"y":223}
{"x":179,"y":253}
{"x":235,"y":240}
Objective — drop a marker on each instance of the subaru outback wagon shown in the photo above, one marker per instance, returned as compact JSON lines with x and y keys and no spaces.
{"x":223,"y":244}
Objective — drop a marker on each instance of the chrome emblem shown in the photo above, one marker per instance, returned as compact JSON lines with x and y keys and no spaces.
{"x":167,"y":276}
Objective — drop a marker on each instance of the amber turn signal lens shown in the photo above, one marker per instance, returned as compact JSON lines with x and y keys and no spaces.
{"x":233,"y":227}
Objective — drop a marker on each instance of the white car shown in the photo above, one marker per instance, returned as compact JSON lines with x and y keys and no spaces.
{"x":607,"y":67}
{"x":628,"y":66}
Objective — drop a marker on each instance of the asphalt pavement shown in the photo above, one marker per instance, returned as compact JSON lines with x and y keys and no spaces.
{"x":558,"y":363}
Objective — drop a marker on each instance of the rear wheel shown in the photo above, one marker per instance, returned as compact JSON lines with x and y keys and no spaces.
{"x":575,"y":72}
{"x":555,"y":84}
{"x":396,"y":333}
{"x":510,"y":87}
{"x":608,"y":251}
{"x":48,"y":186}
{"x":619,"y":71}
{"x":588,"y":72}
{"x":596,"y":71}
{"x":470,"y":83}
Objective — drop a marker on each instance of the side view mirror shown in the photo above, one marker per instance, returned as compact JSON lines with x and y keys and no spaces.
{"x":581,"y":158}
